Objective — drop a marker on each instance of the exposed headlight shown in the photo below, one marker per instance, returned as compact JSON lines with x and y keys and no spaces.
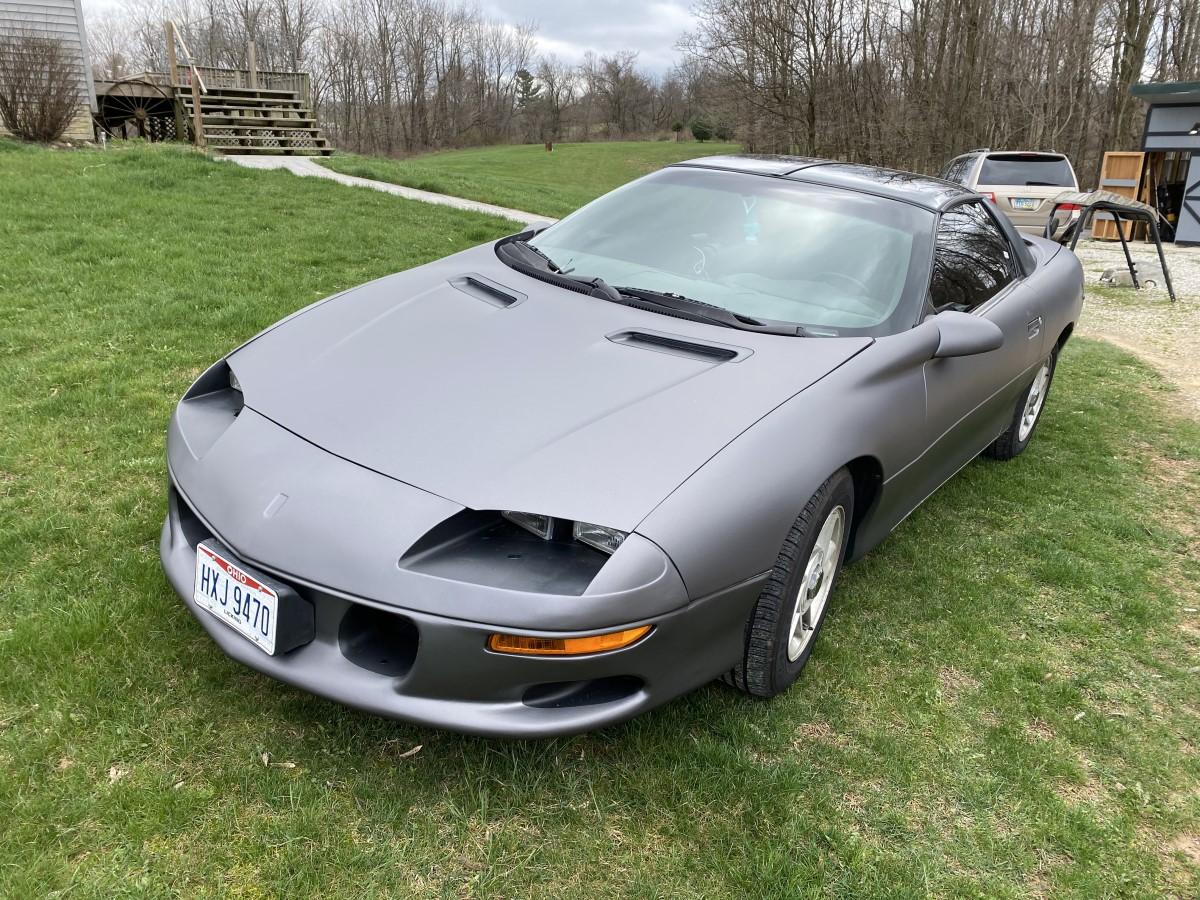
{"x":542,"y":526}
{"x":606,"y":540}
{"x":598,"y":537}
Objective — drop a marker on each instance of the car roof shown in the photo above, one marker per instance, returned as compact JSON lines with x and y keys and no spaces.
{"x":921,"y":190}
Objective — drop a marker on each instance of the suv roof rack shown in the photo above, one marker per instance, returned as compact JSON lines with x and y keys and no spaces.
{"x":981,"y":150}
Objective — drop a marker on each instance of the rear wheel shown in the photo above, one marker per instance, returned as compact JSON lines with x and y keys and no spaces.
{"x":1026,"y":414}
{"x":790,"y":610}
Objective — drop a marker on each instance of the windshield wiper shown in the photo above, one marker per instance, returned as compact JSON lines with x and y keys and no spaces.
{"x":530,"y":249}
{"x":708,"y":312}
{"x":523,"y":255}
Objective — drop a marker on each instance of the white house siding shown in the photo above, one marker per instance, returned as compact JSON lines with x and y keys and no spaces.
{"x":62,"y":19}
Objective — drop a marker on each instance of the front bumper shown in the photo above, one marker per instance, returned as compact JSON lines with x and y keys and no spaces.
{"x":436,"y":670}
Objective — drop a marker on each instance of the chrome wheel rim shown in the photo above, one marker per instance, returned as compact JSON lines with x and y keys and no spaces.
{"x":817,"y":583}
{"x":1033,"y":401}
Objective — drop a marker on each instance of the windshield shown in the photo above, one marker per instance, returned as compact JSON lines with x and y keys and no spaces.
{"x":1027,"y":170}
{"x":833,"y":261}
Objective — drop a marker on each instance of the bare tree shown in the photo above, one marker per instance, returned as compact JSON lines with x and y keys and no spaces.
{"x":39,"y":86}
{"x":108,"y":40}
{"x":910,"y":83}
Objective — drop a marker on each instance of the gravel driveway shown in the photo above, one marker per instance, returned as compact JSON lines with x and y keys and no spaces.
{"x":1146,"y":322}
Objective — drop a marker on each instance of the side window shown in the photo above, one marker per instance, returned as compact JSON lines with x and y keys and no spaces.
{"x":958,"y":168}
{"x":971,"y":260}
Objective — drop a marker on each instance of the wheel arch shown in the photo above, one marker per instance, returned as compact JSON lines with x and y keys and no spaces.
{"x":867,"y":475}
{"x":1062,"y":338}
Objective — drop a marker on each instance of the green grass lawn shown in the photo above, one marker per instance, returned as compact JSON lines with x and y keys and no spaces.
{"x":526,"y":177}
{"x":1004,"y":702}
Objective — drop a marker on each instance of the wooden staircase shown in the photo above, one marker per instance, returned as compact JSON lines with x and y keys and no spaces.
{"x":238,"y":120}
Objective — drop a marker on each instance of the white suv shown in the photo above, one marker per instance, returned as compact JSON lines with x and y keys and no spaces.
{"x":1020,"y":182}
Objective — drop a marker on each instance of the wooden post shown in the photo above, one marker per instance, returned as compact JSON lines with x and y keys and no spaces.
{"x":173,"y":76}
{"x":172,"y":65}
{"x":197,"y":113}
{"x":252,"y":62}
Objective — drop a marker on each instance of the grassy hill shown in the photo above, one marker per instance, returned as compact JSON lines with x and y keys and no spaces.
{"x":1002,"y":704}
{"x":526,"y":177}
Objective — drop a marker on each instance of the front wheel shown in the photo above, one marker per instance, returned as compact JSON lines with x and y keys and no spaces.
{"x":790,"y":610}
{"x":1026,"y":414}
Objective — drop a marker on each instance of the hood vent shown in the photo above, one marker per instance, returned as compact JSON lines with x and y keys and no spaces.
{"x":487,"y":290}
{"x":677,"y":345}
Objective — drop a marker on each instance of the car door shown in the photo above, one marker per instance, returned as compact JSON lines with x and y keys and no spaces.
{"x":970,"y":399}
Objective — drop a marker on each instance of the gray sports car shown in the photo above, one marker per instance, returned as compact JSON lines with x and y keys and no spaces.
{"x":550,"y":482}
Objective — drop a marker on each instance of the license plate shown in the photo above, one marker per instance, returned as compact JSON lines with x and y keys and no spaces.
{"x":237,"y":598}
{"x":1025,"y":203}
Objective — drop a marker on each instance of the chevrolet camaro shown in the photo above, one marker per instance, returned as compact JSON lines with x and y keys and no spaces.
{"x":547,"y":483}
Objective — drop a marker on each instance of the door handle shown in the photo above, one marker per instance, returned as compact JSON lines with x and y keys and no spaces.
{"x":1033,"y":327}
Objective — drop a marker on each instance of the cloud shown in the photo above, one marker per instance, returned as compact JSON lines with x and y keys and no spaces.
{"x":569,"y":28}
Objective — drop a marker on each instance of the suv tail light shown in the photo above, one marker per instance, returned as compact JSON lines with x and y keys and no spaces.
{"x":988,"y":195}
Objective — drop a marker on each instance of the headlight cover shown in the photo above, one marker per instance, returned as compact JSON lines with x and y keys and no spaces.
{"x":598,"y":537}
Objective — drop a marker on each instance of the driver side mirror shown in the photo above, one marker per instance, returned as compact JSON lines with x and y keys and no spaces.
{"x":962,"y":334}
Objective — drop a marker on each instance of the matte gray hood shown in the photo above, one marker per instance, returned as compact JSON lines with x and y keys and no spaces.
{"x":531,"y":406}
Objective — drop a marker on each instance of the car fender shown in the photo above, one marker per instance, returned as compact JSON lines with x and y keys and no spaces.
{"x":727,"y":522}
{"x":1060,"y":287}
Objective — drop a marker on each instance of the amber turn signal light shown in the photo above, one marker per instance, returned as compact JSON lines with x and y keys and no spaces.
{"x":575,"y":646}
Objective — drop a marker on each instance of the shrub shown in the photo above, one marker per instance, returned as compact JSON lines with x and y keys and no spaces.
{"x":701,"y":130}
{"x":39,"y":86}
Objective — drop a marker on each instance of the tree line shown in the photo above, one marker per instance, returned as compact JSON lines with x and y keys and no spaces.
{"x":401,"y":76}
{"x":914,"y":83}
{"x":907,"y":83}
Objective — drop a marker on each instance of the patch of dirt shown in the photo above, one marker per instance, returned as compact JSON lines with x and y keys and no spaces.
{"x":818,"y":731}
{"x":1039,"y":730}
{"x":1040,"y":882}
{"x":1188,"y":845}
{"x":1091,"y":792}
{"x":1146,"y":322}
{"x":952,"y":684}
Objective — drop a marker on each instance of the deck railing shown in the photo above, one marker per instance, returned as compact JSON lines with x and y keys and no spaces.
{"x":216,"y":78}
{"x":213,"y":77}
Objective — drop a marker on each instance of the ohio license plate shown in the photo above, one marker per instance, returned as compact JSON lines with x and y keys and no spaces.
{"x":237,"y":598}
{"x":1025,"y":203}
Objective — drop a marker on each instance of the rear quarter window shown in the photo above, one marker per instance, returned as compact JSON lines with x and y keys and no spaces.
{"x":959,"y":169}
{"x":1026,"y":170}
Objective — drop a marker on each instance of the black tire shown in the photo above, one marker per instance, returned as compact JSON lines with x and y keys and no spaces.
{"x":1010,"y":444}
{"x":765,"y":669}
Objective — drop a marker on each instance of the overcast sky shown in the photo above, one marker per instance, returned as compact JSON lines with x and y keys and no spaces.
{"x":569,"y":28}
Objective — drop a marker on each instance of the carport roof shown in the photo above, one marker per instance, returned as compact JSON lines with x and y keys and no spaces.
{"x":1168,"y":92}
